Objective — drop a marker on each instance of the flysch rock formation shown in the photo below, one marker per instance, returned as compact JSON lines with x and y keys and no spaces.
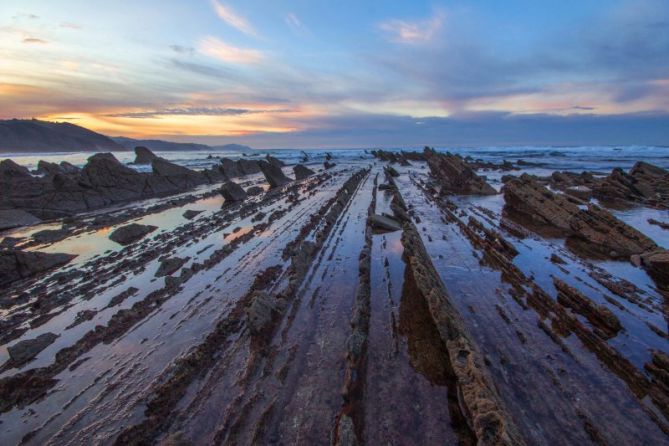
{"x":63,"y":189}
{"x":455,"y":176}
{"x":292,"y":318}
{"x":302,"y":172}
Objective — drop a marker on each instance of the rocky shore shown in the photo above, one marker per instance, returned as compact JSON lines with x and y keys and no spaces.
{"x":402,"y":298}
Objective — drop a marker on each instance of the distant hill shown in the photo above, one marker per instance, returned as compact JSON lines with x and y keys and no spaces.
{"x":167,"y":146}
{"x":32,"y":135}
{"x":159,"y":145}
{"x":233,"y":148}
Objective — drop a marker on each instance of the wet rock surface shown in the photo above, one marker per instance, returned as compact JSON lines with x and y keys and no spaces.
{"x":289,"y":318}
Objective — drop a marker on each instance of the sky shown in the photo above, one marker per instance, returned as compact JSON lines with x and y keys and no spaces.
{"x":322,"y":73}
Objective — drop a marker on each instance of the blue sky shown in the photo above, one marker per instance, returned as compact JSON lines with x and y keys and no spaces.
{"x":343,"y":74}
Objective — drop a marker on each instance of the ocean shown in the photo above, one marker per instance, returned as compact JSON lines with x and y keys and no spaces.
{"x":599,"y":159}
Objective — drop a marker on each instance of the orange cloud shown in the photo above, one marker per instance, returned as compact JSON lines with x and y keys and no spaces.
{"x":216,"y":48}
{"x":238,"y":22}
{"x":421,"y":31}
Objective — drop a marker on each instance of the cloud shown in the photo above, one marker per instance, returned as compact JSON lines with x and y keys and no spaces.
{"x":204,"y":70}
{"x":471,"y":129}
{"x":187,"y":50}
{"x":295,"y":24}
{"x":69,"y":25}
{"x":192,"y":111}
{"x":422,"y":31}
{"x":238,"y":22}
{"x":216,"y":48}
{"x":34,"y":40}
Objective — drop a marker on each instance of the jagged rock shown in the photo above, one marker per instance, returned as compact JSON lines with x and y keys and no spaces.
{"x":274,"y":175}
{"x":274,"y":161}
{"x":384,"y":222}
{"x":14,"y":218}
{"x":608,"y":235}
{"x":534,"y":205}
{"x":232,"y":192}
{"x":112,"y":179}
{"x":230,"y":168}
{"x":656,"y":263}
{"x":591,"y":231}
{"x":68,"y":168}
{"x":131,"y":233}
{"x":328,"y":156}
{"x":645,"y":183}
{"x":260,"y":311}
{"x":661,"y":224}
{"x":16,"y":264}
{"x":50,"y":235}
{"x":455,"y":175}
{"x":24,"y":351}
{"x":328,"y":165}
{"x":103,"y":181}
{"x":391,"y":171}
{"x":191,"y":214}
{"x":48,"y":169}
{"x":180,"y":176}
{"x":9,"y":169}
{"x":302,"y":172}
{"x":143,"y":155}
{"x":10,"y":242}
{"x":598,"y":315}
{"x":582,"y":192}
{"x":255,"y":190}
{"x":169,"y":266}
{"x":241,"y":167}
{"x":557,"y":259}
{"x":248,"y":167}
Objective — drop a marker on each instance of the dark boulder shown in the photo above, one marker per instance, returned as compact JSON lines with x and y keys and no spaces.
{"x":14,"y":218}
{"x":274,"y":175}
{"x":169,"y":266}
{"x":455,"y":175}
{"x":255,"y":190}
{"x":191,"y":214}
{"x":131,"y":233}
{"x":232,"y":192}
{"x":49,"y":169}
{"x":16,"y":264}
{"x":302,"y":172}
{"x":9,"y":169}
{"x":274,"y":161}
{"x":24,"y":351}
{"x":384,"y":223}
{"x":68,"y":168}
{"x":143,"y":155}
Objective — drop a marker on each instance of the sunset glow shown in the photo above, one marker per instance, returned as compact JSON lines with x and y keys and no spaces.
{"x":291,"y":69}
